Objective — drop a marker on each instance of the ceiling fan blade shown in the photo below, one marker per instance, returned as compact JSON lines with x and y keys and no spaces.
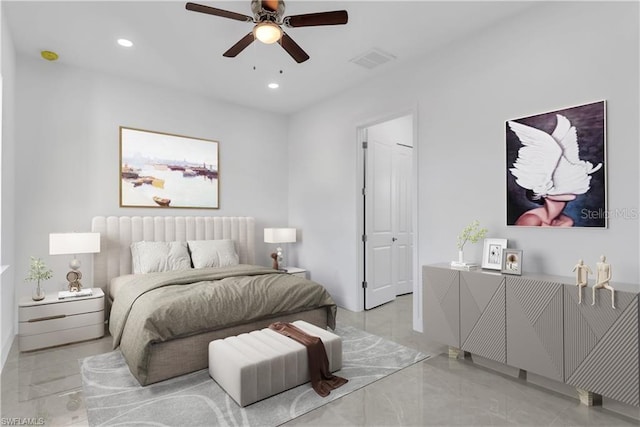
{"x":218,"y":12}
{"x":240,"y":46}
{"x":292,"y":48}
{"x":337,"y":17}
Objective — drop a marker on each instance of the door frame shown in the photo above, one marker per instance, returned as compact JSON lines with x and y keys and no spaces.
{"x":360,"y":211}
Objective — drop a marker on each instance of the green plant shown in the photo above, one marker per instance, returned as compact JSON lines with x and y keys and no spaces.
{"x":471,"y":233}
{"x":38,"y":271}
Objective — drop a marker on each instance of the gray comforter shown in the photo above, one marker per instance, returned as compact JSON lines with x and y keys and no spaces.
{"x":158,"y":307}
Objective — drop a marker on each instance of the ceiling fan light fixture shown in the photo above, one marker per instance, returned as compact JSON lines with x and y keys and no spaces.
{"x":267,"y":32}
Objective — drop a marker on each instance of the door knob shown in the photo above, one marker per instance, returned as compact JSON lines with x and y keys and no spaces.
{"x":393,"y":239}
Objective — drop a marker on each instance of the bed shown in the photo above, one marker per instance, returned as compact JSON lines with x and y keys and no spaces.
{"x":157,"y":351}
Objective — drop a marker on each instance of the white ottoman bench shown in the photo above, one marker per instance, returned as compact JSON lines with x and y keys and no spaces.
{"x":257,"y":365}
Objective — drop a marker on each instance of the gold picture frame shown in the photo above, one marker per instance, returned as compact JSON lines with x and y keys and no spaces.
{"x":162,"y":170}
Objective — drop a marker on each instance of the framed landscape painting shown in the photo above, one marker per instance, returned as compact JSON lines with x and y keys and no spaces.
{"x":556,"y":168}
{"x":160,"y":170}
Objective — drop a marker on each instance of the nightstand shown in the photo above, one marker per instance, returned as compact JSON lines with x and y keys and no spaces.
{"x":54,"y":321}
{"x":295,"y":271}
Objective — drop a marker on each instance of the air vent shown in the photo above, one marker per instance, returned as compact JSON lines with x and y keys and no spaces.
{"x":373,"y":58}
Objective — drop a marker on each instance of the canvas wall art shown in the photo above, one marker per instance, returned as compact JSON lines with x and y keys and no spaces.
{"x":161,"y":170}
{"x":556,"y":168}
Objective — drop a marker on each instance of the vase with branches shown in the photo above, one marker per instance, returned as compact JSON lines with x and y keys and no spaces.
{"x":38,"y":271}
{"x":471,"y":233}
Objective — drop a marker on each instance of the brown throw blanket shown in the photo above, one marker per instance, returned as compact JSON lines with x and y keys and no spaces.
{"x":322,"y":380}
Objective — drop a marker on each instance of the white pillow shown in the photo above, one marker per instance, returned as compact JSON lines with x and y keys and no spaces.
{"x":213,"y":253}
{"x":151,"y":257}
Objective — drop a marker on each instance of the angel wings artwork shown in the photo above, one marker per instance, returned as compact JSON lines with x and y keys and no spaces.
{"x":555,"y":168}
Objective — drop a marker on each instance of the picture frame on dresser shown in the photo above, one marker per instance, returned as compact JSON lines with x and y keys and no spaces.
{"x":512,"y":261}
{"x":492,"y":253}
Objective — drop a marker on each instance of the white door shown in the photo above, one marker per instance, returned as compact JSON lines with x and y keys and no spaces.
{"x":388,"y":221}
{"x":402,"y":210}
{"x":380,"y":283}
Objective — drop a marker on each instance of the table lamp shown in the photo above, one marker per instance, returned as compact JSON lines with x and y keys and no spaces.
{"x":73,"y":244}
{"x":279,"y":235}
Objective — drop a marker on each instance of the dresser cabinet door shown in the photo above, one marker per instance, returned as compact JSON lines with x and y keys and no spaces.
{"x":441,"y":305}
{"x":482,"y":315}
{"x":534,"y":326}
{"x":601,"y":343}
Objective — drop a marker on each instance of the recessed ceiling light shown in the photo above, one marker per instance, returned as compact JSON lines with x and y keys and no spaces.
{"x":125,"y":42}
{"x":273,"y":85}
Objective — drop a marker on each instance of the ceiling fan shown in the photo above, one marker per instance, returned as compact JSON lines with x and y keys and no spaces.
{"x":268,"y":17}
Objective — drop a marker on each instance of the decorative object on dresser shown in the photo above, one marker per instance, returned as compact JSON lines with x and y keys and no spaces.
{"x":74,"y":244}
{"x":279,"y":235}
{"x":512,"y":261}
{"x":492,"y":253}
{"x":582,"y":277}
{"x":603,"y":276}
{"x":471,"y":233}
{"x":536,"y":323}
{"x":53,"y":321}
{"x":552,"y":159}
{"x":38,"y":271}
{"x":161,"y":170}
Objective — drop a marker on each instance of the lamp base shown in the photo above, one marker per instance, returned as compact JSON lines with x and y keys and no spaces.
{"x":280,"y":255}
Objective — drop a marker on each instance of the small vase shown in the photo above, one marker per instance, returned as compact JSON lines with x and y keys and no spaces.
{"x":461,"y":256}
{"x":38,"y":293}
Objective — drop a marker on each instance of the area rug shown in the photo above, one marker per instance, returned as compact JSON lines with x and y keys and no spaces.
{"x":114,"y":397}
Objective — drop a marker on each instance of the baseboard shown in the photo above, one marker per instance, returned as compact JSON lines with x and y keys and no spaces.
{"x":6,"y":348}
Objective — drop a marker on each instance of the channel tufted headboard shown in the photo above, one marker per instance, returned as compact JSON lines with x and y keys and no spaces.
{"x":118,"y":232}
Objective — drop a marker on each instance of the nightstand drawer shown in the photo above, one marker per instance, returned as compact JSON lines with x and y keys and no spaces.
{"x":52,"y":324}
{"x":66,"y":336}
{"x":60,"y":308}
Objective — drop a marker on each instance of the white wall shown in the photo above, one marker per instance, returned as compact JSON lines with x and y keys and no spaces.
{"x":555,"y":55}
{"x":399,"y":130}
{"x":7,"y":232}
{"x":67,"y":155}
{"x":324,"y":183}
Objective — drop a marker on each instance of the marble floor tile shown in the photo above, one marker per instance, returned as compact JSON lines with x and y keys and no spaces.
{"x":436,"y":392}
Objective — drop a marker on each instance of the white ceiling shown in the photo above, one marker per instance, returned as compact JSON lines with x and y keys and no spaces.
{"x":182,"y":49}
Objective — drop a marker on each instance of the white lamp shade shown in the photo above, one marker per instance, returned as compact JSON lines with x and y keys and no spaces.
{"x":279,"y":235}
{"x":74,"y":243}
